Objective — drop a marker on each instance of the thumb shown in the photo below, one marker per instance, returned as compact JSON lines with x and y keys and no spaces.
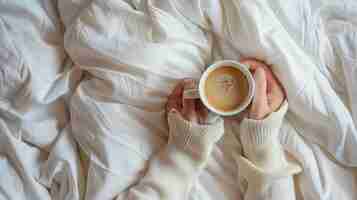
{"x":260,"y":86}
{"x":260,"y":106}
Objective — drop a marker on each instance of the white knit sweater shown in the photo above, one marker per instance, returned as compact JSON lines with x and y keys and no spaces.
{"x":264,"y":166}
{"x":173,"y":171}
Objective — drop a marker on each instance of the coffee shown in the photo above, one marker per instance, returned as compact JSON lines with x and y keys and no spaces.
{"x":226,"y":88}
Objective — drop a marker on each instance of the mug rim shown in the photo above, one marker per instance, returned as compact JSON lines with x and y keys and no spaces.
{"x":231,"y":63}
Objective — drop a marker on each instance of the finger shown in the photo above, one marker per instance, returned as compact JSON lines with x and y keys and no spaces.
{"x":272,"y":80}
{"x":261,"y":86}
{"x":276,"y":93}
{"x":174,"y":104}
{"x":178,"y":90}
{"x":252,"y":63}
{"x":255,"y":64}
{"x":188,"y":105}
{"x":259,"y":108}
{"x":189,"y":110}
{"x":276,"y":97}
{"x":175,"y":98}
{"x":202,"y":112}
{"x":276,"y":84}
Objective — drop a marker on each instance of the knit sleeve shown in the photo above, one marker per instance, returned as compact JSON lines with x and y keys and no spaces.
{"x":264,"y":165}
{"x":173,"y":171}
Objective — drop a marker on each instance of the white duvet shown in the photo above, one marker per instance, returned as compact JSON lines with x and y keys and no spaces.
{"x":83,"y":84}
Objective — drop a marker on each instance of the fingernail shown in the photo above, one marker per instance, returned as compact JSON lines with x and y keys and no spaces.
{"x":259,"y":73}
{"x":173,"y":110}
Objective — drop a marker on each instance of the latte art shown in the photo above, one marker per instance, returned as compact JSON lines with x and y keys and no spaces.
{"x":226,"y":88}
{"x":226,"y":82}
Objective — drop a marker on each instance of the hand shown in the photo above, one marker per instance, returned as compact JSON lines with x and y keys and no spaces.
{"x":269,"y":94}
{"x":187,"y":134}
{"x":192,"y":110}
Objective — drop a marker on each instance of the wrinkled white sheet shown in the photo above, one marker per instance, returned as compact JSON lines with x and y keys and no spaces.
{"x":129,"y":54}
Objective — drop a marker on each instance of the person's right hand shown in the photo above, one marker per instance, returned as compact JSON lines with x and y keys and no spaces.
{"x":269,"y":94}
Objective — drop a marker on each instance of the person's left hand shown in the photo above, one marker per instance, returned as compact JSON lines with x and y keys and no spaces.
{"x":269,"y":94}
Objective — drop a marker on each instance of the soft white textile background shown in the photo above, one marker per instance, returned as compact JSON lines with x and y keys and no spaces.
{"x":130,"y":53}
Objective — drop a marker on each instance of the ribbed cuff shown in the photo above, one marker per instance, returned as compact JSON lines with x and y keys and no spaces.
{"x":194,"y":139}
{"x":259,"y":132}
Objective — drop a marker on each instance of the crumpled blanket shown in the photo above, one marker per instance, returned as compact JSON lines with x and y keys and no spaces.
{"x":83,"y":84}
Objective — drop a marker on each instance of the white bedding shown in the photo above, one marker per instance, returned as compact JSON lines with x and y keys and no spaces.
{"x":93,"y":76}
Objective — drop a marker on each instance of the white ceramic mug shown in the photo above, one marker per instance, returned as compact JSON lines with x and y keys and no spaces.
{"x":199,"y":92}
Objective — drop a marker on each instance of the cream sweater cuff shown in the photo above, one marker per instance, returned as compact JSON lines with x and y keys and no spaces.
{"x":194,"y":140}
{"x":174,"y":170}
{"x":264,"y":159}
{"x":260,"y":140}
{"x":259,"y":132}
